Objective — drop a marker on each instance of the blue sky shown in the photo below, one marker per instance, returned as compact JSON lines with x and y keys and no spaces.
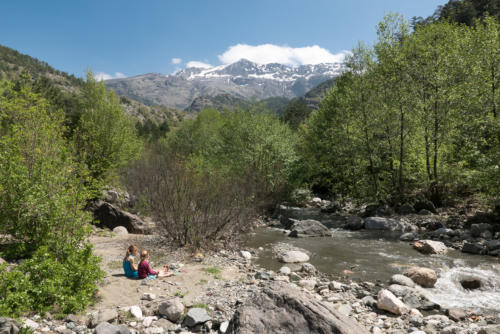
{"x":135,"y":37}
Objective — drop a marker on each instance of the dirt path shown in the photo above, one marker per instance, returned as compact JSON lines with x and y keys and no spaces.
{"x":119,"y":291}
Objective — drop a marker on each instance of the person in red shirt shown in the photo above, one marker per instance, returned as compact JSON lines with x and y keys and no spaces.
{"x":145,"y":271}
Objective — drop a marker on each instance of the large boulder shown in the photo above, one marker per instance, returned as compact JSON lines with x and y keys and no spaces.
{"x":280,"y":308}
{"x":107,"y":328}
{"x":430,"y":247}
{"x":9,"y":326}
{"x":402,"y":280}
{"x":474,"y":248}
{"x":196,"y":316}
{"x":354,"y":223}
{"x":287,"y":212}
{"x":425,"y":205}
{"x":172,"y":309}
{"x":477,"y":230}
{"x":388,"y":302}
{"x":406,"y":209}
{"x":104,"y":315}
{"x":412,"y":298}
{"x":293,"y":256}
{"x":111,"y":216}
{"x":386,"y":224}
{"x":309,"y":227}
{"x":424,"y":277}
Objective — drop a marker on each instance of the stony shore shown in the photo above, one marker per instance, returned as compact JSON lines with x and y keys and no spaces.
{"x":225,"y":291}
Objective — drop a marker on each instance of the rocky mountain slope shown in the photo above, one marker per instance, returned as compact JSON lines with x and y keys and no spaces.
{"x":243,"y":79}
{"x":63,"y":90}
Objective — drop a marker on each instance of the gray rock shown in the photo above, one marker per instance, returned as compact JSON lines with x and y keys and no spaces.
{"x":71,"y":318}
{"x":406,"y":209}
{"x":287,"y":212}
{"x":477,"y":229}
{"x":246,"y":255}
{"x":424,"y":212}
{"x":493,"y":245}
{"x":425,"y":205}
{"x":369,"y":300}
{"x":387,"y":301}
{"x":456,"y":314}
{"x":106,"y":315}
{"x":471,"y":283}
{"x":492,"y":329}
{"x":293,"y":256}
{"x":172,"y":309}
{"x":473,"y":248}
{"x":9,"y":326}
{"x":442,"y":231}
{"x":310,"y":228}
{"x":386,"y":224}
{"x":280,"y":308}
{"x":107,"y":328}
{"x":308,"y":268}
{"x":196,"y":316}
{"x":410,"y":236}
{"x":402,"y":280}
{"x":111,"y":216}
{"x":354,"y":223}
{"x":120,"y":230}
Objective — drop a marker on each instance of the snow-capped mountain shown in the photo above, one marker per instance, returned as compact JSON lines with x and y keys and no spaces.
{"x":242,"y":79}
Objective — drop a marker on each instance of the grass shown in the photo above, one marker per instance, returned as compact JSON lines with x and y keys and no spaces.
{"x":201,"y":305}
{"x":203,"y":281}
{"x":181,"y":294}
{"x":212,"y":271}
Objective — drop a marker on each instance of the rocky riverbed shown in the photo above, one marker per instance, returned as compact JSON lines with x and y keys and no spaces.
{"x":273,"y":285}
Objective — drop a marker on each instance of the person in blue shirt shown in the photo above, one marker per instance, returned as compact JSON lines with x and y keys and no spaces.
{"x":129,"y":265}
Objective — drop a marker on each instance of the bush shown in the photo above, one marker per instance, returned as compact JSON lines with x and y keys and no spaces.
{"x":42,"y":194}
{"x":47,"y":283}
{"x":193,"y":207}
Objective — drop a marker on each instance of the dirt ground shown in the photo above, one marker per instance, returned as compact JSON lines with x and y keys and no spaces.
{"x":120,"y":291}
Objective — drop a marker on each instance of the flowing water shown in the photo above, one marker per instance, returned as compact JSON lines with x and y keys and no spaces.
{"x":375,"y":256}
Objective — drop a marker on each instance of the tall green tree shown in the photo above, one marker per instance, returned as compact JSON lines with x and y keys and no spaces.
{"x":105,"y":138}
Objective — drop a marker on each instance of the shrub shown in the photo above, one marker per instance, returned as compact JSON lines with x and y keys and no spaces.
{"x":42,"y":194}
{"x":193,"y":207}
{"x":64,"y":284}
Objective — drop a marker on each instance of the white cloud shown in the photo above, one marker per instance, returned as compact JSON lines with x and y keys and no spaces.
{"x":176,"y":61}
{"x":197,"y":64}
{"x":270,"y":53}
{"x":105,"y":76}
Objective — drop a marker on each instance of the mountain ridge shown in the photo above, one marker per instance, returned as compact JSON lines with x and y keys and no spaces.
{"x":242,"y":79}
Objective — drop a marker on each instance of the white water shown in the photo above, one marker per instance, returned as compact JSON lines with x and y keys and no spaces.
{"x":449,"y":293}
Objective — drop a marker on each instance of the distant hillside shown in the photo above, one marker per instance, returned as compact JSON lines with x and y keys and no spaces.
{"x":229,"y":102}
{"x":300,"y":108}
{"x":63,"y":89}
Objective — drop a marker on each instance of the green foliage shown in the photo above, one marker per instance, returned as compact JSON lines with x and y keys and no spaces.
{"x":418,"y":111}
{"x":296,"y":112}
{"x":212,"y":270}
{"x":106,"y":138}
{"x":240,"y":143}
{"x":48,"y":283}
{"x":41,"y":188}
{"x":152,"y":131}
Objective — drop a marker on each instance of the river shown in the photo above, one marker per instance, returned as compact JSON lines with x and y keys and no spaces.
{"x":375,"y":256}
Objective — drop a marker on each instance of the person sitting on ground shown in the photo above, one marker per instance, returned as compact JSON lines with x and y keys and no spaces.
{"x":145,"y":270}
{"x":129,"y":265}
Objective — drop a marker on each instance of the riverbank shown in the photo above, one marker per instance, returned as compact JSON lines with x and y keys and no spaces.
{"x":215,"y":288}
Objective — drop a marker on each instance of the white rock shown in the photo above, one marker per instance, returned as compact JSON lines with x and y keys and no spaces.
{"x":136,"y":311}
{"x":430,"y":247}
{"x":294,"y":257}
{"x":28,"y":323}
{"x":335,"y":286}
{"x":376,"y":330}
{"x":223,"y":327}
{"x":246,"y":255}
{"x":148,"y":321}
{"x":388,"y":302}
{"x":60,"y":329}
{"x":282,"y":278}
{"x":285,"y":270}
{"x":308,"y":284}
{"x":120,"y":230}
{"x":148,"y":296}
{"x":416,"y":313}
{"x":153,"y":330}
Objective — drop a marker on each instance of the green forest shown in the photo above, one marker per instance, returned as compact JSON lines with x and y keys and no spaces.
{"x":415,"y":115}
